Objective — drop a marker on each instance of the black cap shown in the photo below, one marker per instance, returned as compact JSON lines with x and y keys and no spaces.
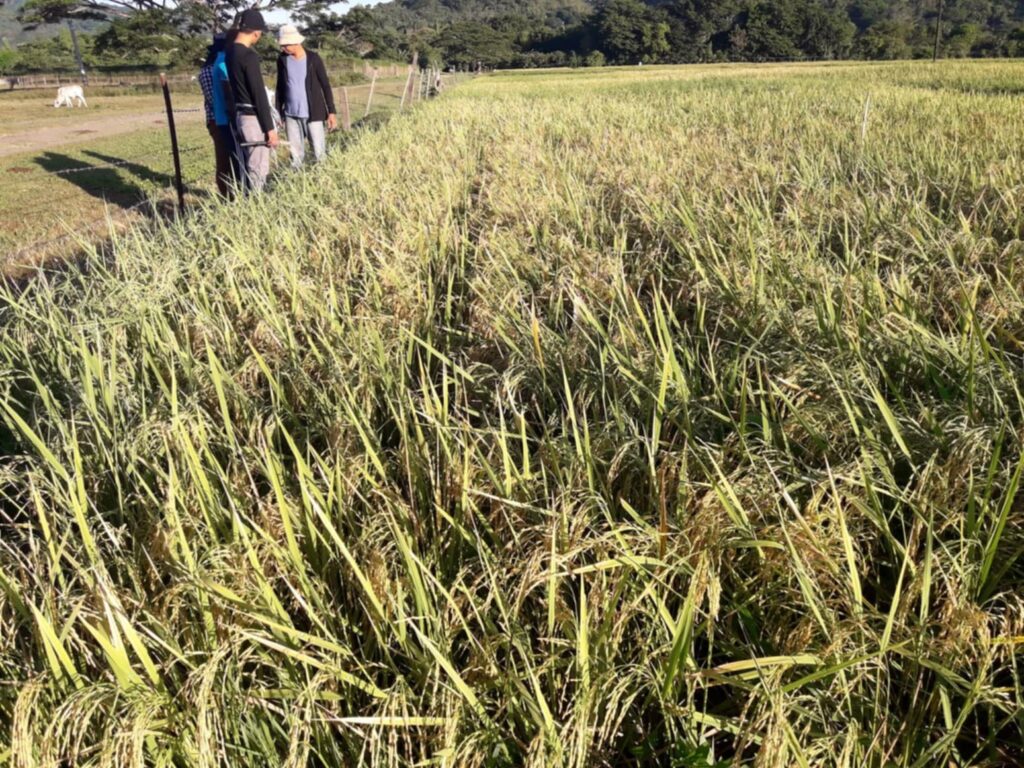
{"x":251,"y":20}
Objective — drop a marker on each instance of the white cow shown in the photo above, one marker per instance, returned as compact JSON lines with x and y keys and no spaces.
{"x":70,"y":96}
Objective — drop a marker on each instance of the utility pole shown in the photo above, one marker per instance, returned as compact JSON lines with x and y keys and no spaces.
{"x":78,"y":52}
{"x":938,"y":32}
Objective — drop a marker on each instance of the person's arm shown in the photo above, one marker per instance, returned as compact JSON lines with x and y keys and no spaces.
{"x":325,"y":85}
{"x":282,"y":82}
{"x":206,"y":84}
{"x":258,"y":94}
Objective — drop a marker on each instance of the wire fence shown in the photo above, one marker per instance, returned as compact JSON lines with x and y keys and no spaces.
{"x":353,"y":108}
{"x":40,"y":80}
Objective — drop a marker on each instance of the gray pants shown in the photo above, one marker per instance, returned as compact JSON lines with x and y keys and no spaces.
{"x":299,"y":131}
{"x":257,"y":159}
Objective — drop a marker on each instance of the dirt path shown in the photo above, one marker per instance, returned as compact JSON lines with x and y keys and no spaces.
{"x":85,"y":130}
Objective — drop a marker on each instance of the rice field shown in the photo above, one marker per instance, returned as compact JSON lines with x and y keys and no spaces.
{"x":668,"y":417}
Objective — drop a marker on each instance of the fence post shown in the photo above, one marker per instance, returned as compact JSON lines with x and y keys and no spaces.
{"x":346,"y":115}
{"x":407,"y":91}
{"x":369,"y":99}
{"x":174,"y":142}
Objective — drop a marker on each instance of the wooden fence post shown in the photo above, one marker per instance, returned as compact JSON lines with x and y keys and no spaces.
{"x":174,"y":143}
{"x":346,"y":115}
{"x":369,"y":99}
{"x":407,"y":94}
{"x":405,"y":90}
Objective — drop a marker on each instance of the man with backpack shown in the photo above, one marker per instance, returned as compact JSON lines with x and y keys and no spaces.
{"x":304,"y":96}
{"x":213,"y":79}
{"x":254,"y":121}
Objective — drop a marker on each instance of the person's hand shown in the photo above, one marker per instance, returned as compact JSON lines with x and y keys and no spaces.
{"x":332,"y":122}
{"x":273,"y":140}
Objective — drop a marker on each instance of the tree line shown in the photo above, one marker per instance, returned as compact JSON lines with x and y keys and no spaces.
{"x":527,"y":33}
{"x":538,"y":33}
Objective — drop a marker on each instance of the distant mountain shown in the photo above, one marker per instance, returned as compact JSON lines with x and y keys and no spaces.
{"x":10,"y":28}
{"x":12,"y":33}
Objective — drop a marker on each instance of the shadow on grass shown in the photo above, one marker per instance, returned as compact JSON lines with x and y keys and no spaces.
{"x":341,"y":140}
{"x":102,"y":180}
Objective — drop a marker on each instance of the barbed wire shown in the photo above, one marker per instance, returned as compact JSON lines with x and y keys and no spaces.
{"x":99,"y":166}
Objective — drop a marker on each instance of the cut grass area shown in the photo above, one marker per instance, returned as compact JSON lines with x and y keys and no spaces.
{"x":659,"y":418}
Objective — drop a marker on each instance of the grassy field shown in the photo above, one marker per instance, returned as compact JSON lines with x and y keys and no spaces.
{"x":110,"y":174}
{"x":667,"y":417}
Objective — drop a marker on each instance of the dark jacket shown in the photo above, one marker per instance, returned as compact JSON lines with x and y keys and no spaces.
{"x":248,"y":96}
{"x":318,"y":87}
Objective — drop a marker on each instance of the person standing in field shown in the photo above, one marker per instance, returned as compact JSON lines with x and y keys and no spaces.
{"x":304,"y":96}
{"x":224,"y":113}
{"x":212,"y":77}
{"x":254,"y":122}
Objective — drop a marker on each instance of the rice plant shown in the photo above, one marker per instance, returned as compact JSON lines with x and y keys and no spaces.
{"x":606,"y":418}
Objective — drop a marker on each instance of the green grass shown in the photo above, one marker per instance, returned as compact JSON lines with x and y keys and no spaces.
{"x":668,"y":417}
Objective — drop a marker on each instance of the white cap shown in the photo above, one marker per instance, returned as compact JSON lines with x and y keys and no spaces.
{"x":289,"y":35}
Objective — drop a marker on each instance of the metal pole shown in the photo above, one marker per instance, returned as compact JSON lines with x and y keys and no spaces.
{"x":174,"y":142}
{"x":938,"y":33}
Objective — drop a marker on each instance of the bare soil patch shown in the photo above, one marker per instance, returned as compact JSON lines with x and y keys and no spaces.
{"x":62,"y":135}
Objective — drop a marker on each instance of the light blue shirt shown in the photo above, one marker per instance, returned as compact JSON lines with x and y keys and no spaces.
{"x":296,"y":100}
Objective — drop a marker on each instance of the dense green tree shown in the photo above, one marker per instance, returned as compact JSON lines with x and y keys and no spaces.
{"x":705,"y":30}
{"x":9,"y":59}
{"x":188,"y":14}
{"x":469,"y":42}
{"x":52,"y":53}
{"x":534,"y":33}
{"x":700,"y":29}
{"x":774,"y":31}
{"x":885,"y":40}
{"x":866,"y":13}
{"x":359,"y":32}
{"x":828,"y":34}
{"x":963,"y":39}
{"x":148,"y":37}
{"x":631,"y":31}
